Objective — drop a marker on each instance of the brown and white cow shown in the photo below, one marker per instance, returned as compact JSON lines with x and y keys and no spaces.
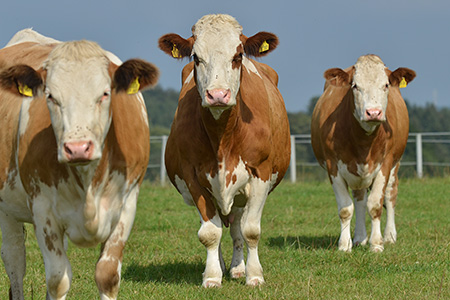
{"x":75,"y":146}
{"x":229,"y":144}
{"x":359,"y":131}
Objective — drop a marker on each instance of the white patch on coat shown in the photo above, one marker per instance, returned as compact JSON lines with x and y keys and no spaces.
{"x":189,"y":78}
{"x":390,"y":232}
{"x":217,"y":39}
{"x":184,"y":191}
{"x":223,"y":193}
{"x":29,"y":35}
{"x":250,"y":66}
{"x":370,"y":89}
{"x":361,"y":181}
{"x":24,"y":115}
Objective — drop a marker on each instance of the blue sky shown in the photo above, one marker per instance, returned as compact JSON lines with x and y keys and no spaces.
{"x":314,"y":36}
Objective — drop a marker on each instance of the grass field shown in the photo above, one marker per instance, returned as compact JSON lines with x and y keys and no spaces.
{"x":298,"y":251}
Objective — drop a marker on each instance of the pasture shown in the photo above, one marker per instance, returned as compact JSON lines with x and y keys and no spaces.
{"x":298,"y":250}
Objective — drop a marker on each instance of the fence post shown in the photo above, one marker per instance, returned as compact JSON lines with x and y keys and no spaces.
{"x":419,"y":158}
{"x":162,"y":170}
{"x":293,"y":165}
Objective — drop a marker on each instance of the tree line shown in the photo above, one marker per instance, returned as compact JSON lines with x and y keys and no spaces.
{"x":162,"y":103}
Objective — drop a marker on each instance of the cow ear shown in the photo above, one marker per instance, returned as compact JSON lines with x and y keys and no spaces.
{"x":337,"y":77}
{"x":260,"y":44}
{"x":22,"y":80}
{"x":176,"y":46}
{"x":134,"y":75}
{"x":401,"y":77}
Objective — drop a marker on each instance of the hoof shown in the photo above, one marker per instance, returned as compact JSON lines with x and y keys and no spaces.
{"x":210,"y":283}
{"x":376,"y":248}
{"x":237,"y":274}
{"x":257,"y":281}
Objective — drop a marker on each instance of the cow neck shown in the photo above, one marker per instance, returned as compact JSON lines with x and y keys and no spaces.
{"x":220,"y":131}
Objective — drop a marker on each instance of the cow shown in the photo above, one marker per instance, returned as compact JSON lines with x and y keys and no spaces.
{"x":75,"y":148}
{"x":359,"y":130}
{"x":229,"y":144}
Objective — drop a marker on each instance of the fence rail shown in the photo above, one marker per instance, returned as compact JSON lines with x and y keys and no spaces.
{"x":301,"y":140}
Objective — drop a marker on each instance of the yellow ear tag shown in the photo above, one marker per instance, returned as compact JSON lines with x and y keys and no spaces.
{"x":175,"y":51}
{"x":403,"y":83}
{"x":26,"y":91}
{"x":264,"y":47}
{"x":134,"y":87}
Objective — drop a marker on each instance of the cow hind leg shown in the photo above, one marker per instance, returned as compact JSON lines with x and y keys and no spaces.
{"x":13,"y":254}
{"x":390,"y":198}
{"x":360,"y":199}
{"x":210,"y":234}
{"x":375,"y":208}
{"x":237,"y":267}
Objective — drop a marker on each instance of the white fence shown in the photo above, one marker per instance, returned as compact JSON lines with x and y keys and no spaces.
{"x":302,"y":140}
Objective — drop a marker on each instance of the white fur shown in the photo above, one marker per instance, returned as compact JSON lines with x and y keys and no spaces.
{"x":217,"y":38}
{"x":29,"y":35}
{"x":223,"y":193}
{"x":370,"y":79}
{"x":184,"y":191}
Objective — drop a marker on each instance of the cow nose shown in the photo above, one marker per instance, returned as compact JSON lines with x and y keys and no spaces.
{"x":79,"y":151}
{"x":218,"y":97}
{"x":374,"y":114}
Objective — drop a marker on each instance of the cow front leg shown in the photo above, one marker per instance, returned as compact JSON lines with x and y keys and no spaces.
{"x":375,"y":208}
{"x":345,"y":211}
{"x":58,"y":272}
{"x":109,"y":265}
{"x":237,"y":267}
{"x":210,"y":234}
{"x":360,"y":199}
{"x":390,"y":199}
{"x":13,"y":254}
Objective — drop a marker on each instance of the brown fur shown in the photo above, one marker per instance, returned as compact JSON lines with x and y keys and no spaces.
{"x":256,"y":129}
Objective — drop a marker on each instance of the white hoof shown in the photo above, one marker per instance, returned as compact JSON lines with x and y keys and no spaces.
{"x":255,"y":281}
{"x":212,"y":283}
{"x":376,"y":248}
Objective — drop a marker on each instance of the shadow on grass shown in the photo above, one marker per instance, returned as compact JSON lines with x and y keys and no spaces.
{"x":304,"y":242}
{"x":177,"y":272}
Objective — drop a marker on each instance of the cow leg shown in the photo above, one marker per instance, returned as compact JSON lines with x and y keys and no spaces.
{"x":390,"y":198}
{"x":251,"y":229}
{"x":109,"y":265}
{"x":345,"y":211}
{"x":13,"y":254}
{"x":375,"y":208}
{"x":237,"y":267}
{"x":50,"y":237}
{"x":360,"y":199}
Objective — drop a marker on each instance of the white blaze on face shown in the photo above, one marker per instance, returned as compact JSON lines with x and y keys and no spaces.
{"x":78,"y":89}
{"x":370,"y":89}
{"x":217,"y":44}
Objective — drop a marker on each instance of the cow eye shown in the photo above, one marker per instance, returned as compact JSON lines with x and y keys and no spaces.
{"x":197,"y":61}
{"x":354,"y":86}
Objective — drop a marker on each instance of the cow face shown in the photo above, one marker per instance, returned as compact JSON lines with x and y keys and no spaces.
{"x":79,"y":83}
{"x":370,"y":82}
{"x":218,"y":47}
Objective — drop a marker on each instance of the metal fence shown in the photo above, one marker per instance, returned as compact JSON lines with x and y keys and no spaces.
{"x":303,"y":160}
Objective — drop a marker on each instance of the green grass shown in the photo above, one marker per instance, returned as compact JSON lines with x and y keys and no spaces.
{"x":298,"y":251}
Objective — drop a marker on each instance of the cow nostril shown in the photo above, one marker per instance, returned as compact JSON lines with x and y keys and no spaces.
{"x":67,"y":149}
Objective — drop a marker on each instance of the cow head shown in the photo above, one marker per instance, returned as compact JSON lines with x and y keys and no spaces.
{"x":217,"y":46}
{"x":370,"y":82}
{"x":79,"y":83}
